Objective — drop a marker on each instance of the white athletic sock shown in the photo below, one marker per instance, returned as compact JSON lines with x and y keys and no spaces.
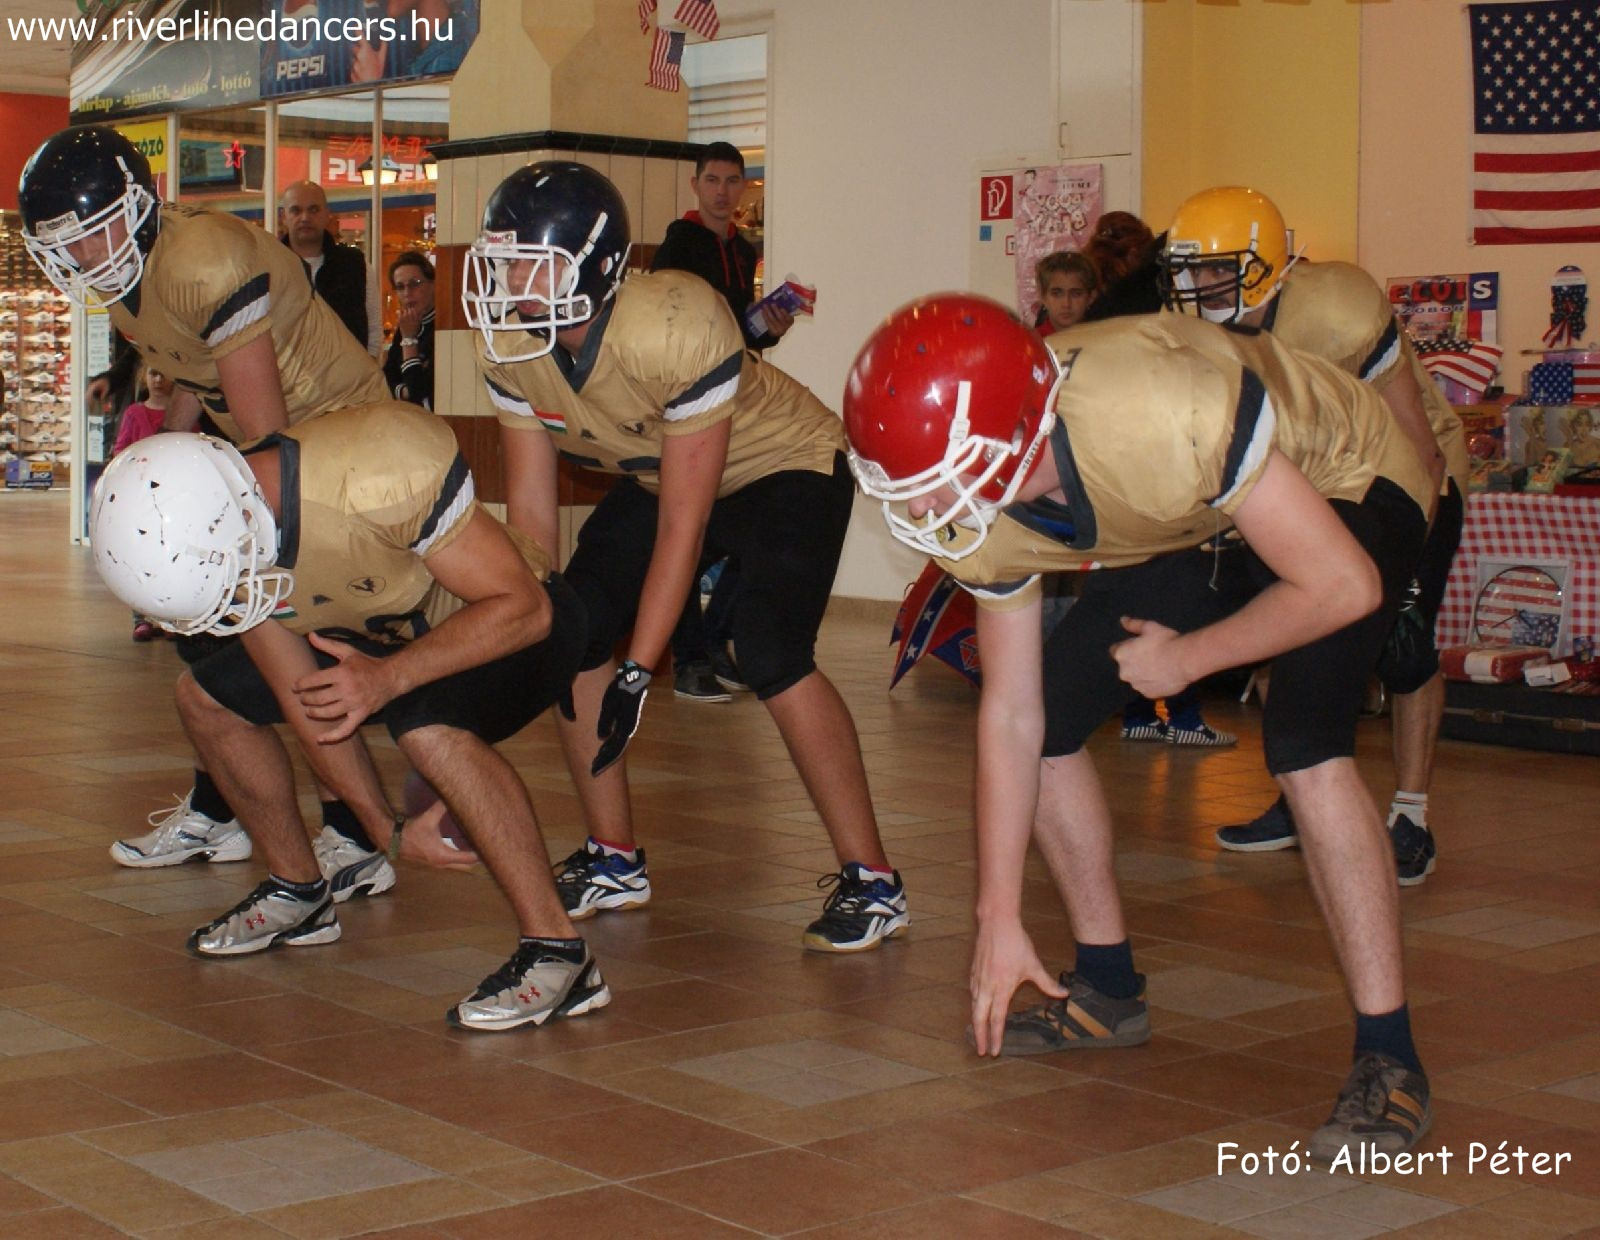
{"x":1414,"y":805}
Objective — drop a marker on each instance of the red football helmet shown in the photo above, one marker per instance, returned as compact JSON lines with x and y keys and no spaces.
{"x":950,"y":391}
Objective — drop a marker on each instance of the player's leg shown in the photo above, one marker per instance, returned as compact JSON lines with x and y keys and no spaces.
{"x":1309,"y":734}
{"x":448,"y":730}
{"x":787,"y":531}
{"x":607,"y":572}
{"x":228,"y":711}
{"x":1410,"y":669}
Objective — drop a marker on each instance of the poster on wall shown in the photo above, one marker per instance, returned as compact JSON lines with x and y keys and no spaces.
{"x":151,"y":56}
{"x":358,"y":42}
{"x":1447,"y":307}
{"x":137,"y":57}
{"x":1049,"y":209}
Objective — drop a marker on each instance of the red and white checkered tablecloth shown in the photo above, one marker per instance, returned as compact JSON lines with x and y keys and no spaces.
{"x":1527,"y":529}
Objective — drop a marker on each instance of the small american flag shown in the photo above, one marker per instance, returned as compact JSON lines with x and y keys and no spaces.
{"x":646,"y":8}
{"x":699,"y":16}
{"x":1471,"y":363}
{"x":1536,"y":121}
{"x":665,"y":59}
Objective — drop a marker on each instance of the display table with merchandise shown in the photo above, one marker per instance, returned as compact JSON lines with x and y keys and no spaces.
{"x":1505,"y":530}
{"x":1514,"y":528}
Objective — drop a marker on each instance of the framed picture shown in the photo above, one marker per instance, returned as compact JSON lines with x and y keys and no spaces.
{"x":1548,"y":470}
{"x":1521,"y":603}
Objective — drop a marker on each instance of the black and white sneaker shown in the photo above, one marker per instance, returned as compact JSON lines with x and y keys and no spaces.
{"x":183,"y":834}
{"x":863,"y":910}
{"x":350,"y":869}
{"x":530,"y":988}
{"x":269,"y":915}
{"x":592,"y":880}
{"x":1414,"y":851}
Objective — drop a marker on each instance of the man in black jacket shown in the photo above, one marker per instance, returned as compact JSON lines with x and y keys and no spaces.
{"x":707,"y":243}
{"x":408,"y":366}
{"x":338,"y":271}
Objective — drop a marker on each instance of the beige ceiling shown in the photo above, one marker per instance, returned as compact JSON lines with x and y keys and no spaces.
{"x":34,"y":66}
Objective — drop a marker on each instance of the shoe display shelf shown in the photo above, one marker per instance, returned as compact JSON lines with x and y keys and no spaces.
{"x":35,"y":345}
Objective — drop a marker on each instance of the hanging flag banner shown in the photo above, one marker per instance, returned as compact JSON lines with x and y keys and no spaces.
{"x":1535,"y":122}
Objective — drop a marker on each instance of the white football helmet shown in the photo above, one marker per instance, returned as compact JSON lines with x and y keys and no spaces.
{"x":182,"y":534}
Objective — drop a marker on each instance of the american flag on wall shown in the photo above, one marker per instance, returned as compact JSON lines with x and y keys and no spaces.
{"x":1536,"y":122}
{"x":700,"y":16}
{"x":666,"y":60}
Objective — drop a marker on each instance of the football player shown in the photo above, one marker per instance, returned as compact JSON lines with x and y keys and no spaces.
{"x":1003,"y":456}
{"x":366,"y":585}
{"x":229,"y":314}
{"x":1227,"y":259}
{"x":650,"y":380}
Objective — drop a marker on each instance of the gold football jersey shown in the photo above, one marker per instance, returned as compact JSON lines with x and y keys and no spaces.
{"x":1164,"y":425}
{"x":1337,"y":311}
{"x":213,"y":283}
{"x":665,"y":357}
{"x":368,"y":494}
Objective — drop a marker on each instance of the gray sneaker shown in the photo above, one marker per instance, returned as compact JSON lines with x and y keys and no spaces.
{"x":269,"y":915}
{"x":349,"y":868}
{"x":1383,"y":1106}
{"x":183,"y":834}
{"x":1084,"y":1020}
{"x":530,"y":988}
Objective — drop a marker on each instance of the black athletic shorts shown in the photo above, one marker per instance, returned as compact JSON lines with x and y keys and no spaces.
{"x":1316,"y":689}
{"x":493,"y":702}
{"x":786,"y":530}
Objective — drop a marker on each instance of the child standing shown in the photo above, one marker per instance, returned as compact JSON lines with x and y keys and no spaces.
{"x":140,"y":420}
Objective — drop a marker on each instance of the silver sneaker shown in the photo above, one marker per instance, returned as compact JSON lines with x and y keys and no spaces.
{"x":269,"y":915}
{"x":530,"y":988}
{"x":182,"y":834}
{"x":349,"y":868}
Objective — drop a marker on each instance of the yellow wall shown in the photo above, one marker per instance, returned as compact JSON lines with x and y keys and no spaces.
{"x":1257,"y":92}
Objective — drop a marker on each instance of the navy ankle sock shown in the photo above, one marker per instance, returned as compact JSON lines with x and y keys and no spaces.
{"x":566,"y":949}
{"x":207,"y":798}
{"x":342,"y":818}
{"x":1389,"y":1034}
{"x":305,"y":891}
{"x":1109,"y":969}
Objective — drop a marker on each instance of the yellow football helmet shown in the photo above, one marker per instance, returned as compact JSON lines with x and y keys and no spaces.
{"x":1226,"y":253}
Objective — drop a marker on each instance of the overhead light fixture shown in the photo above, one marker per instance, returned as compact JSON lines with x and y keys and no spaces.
{"x":387,"y":173}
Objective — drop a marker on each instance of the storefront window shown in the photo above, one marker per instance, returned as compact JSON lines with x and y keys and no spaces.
{"x":222,"y":160}
{"x":328,"y":140}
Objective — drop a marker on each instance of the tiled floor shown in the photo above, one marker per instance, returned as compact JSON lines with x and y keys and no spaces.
{"x":738,"y":1085}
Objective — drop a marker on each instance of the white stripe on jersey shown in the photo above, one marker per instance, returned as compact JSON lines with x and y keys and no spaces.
{"x":716,"y":396}
{"x":241,"y":319}
{"x":1255,"y":452}
{"x":449,"y":518}
{"x":1380,"y":365}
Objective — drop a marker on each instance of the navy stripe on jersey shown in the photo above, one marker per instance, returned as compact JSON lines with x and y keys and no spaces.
{"x":1254,"y":422}
{"x":455,"y":497}
{"x":249,"y":304}
{"x":713,"y":389}
{"x":509,"y":401}
{"x":1384,"y":354}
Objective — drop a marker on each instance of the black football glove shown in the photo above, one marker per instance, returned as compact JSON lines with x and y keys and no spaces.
{"x":619,"y":713}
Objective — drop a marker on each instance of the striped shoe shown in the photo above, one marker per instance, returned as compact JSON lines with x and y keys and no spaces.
{"x":1383,"y":1106}
{"x":1084,"y":1020}
{"x":1156,"y":731}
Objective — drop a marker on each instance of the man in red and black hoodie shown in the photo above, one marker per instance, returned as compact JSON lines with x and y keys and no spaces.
{"x":707,"y":243}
